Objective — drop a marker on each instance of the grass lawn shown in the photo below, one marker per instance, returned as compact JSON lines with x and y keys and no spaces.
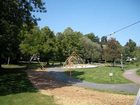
{"x":138,"y":72}
{"x":26,"y":99}
{"x":16,"y":89}
{"x":100,"y":75}
{"x":128,"y":66}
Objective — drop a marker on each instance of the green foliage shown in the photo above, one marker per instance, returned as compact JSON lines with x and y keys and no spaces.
{"x":100,"y":75}
{"x":67,"y":42}
{"x":130,"y":48}
{"x":137,"y":53}
{"x":59,"y":47}
{"x":49,"y":47}
{"x":90,"y":50}
{"x":41,"y":42}
{"x":14,"y":16}
{"x":112,"y":50}
{"x":32,"y":42}
{"x":104,"y":40}
{"x":92,"y":37}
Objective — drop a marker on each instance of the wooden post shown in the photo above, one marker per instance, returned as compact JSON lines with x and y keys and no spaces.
{"x":8,"y":61}
{"x":137,"y":100}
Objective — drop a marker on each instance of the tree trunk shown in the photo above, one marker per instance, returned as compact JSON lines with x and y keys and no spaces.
{"x":0,"y":61}
{"x":0,"y":65}
{"x":113,"y":62}
{"x":8,"y":60}
{"x":48,"y":62}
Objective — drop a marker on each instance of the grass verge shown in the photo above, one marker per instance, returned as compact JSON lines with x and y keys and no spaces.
{"x":100,"y":75}
{"x":133,"y":65}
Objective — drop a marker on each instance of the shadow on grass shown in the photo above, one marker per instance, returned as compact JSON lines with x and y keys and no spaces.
{"x":15,"y":80}
{"x":76,"y":74}
{"x":53,"y":79}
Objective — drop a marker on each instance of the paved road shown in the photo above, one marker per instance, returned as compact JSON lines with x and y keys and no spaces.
{"x":58,"y":74}
{"x":131,"y":75}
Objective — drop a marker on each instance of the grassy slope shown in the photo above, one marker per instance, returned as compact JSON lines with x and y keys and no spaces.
{"x":16,"y":89}
{"x":100,"y":75}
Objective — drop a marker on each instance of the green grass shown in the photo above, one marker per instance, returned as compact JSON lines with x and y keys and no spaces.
{"x":133,"y":65}
{"x":138,"y":72}
{"x":100,"y":75}
{"x":12,"y":66}
{"x":16,"y":88}
{"x":26,"y":99}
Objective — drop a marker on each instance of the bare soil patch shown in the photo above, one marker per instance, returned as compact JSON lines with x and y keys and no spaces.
{"x":71,"y":95}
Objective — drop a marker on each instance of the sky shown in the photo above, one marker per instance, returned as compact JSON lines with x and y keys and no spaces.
{"x":101,"y":17}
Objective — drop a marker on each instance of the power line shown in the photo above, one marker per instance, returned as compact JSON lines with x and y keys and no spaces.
{"x":123,"y":28}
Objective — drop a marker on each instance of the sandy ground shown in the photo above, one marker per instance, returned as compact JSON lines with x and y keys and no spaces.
{"x":71,"y":95}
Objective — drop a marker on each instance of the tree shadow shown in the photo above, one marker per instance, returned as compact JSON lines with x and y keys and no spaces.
{"x":15,"y":80}
{"x":21,"y":80}
{"x":52,"y":79}
{"x":76,"y":74}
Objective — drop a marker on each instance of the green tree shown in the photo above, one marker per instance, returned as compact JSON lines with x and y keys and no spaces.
{"x":97,"y":39}
{"x":137,"y":53}
{"x":41,"y":42}
{"x":14,"y":15}
{"x":90,"y":50}
{"x":49,"y":47}
{"x":91,"y":36}
{"x":32,"y":43}
{"x":130,"y":48}
{"x":104,"y":40}
{"x":67,"y":42}
{"x":113,"y":50}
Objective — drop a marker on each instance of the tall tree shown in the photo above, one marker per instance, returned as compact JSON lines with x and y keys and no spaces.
{"x":104,"y":40}
{"x":41,"y":42}
{"x":90,"y":50}
{"x":49,"y":47}
{"x":113,"y":50}
{"x":68,"y":41}
{"x":14,"y":15}
{"x":91,"y":36}
{"x":130,"y":47}
{"x":137,"y":53}
{"x":32,"y":43}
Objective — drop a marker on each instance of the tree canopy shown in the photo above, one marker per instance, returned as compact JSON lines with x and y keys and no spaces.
{"x":20,"y":36}
{"x":14,"y":16}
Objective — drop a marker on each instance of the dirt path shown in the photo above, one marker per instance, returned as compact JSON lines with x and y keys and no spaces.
{"x":71,"y":95}
{"x":131,"y":75}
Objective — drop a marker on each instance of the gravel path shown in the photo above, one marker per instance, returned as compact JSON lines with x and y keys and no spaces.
{"x":131,"y":75}
{"x":58,"y":74}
